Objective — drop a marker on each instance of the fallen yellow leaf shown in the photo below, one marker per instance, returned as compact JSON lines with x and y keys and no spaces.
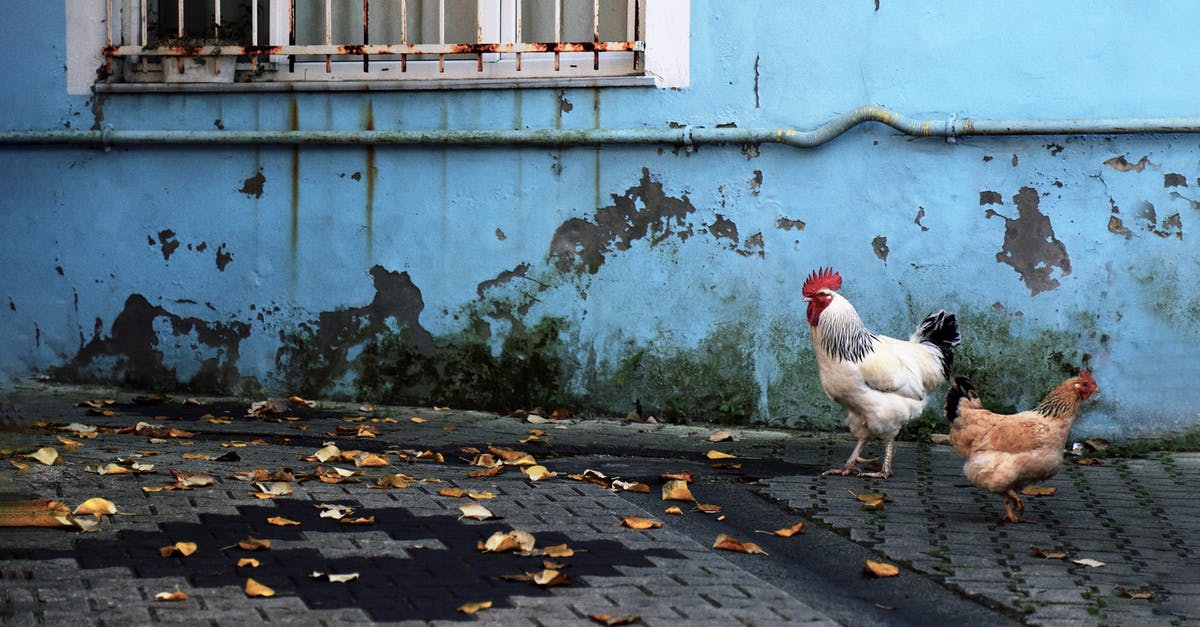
{"x":1039,"y":490}
{"x":247,"y":562}
{"x":788,"y":532}
{"x":474,"y":607}
{"x":255,"y":589}
{"x":612,"y":621}
{"x":475,"y":511}
{"x":550,"y":578}
{"x":1134,"y":594}
{"x":501,"y":541}
{"x":371,"y":460}
{"x":416,"y":419}
{"x":41,"y":513}
{"x":394,"y":481}
{"x":676,"y":490}
{"x":183,"y":548}
{"x":719,"y":455}
{"x":538,"y":473}
{"x":280,"y":521}
{"x":97,"y":506}
{"x":456,"y":493}
{"x":673,"y":510}
{"x":729,"y":543}
{"x":177,"y":595}
{"x":46,"y":455}
{"x":635,"y":522}
{"x":558,"y":550}
{"x":880,"y":569}
{"x":1050,"y":555}
{"x":254,"y":544}
{"x":68,"y":443}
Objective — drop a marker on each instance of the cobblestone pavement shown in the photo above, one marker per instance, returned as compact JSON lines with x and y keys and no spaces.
{"x":419,"y":560}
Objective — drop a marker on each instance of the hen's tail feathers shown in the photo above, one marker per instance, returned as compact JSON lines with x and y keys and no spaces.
{"x":941,"y":331}
{"x":960,"y":390}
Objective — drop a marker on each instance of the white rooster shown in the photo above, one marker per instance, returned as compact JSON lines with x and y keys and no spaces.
{"x":881,"y":382}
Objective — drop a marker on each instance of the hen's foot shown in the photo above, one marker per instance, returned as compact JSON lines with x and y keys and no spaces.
{"x":876,"y":475}
{"x":1017,"y":519}
{"x":843,"y":472}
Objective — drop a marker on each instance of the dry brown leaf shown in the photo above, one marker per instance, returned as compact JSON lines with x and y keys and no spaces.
{"x":255,"y":589}
{"x":254,"y":544}
{"x":630,"y":486}
{"x":1134,"y":594}
{"x":47,"y":456}
{"x":280,"y":521}
{"x":729,"y":543}
{"x":475,"y":511}
{"x":272,"y":489}
{"x":673,"y":510}
{"x":719,"y":455}
{"x":551,"y":578}
{"x":613,"y":621}
{"x":481,"y":495}
{"x":722,"y":435}
{"x":635,"y":522}
{"x":362,"y":520}
{"x":485,"y":472}
{"x":686,"y":477}
{"x":1089,"y":461}
{"x":1050,"y":555}
{"x":437,"y":457}
{"x":177,"y":595}
{"x":880,"y":569}
{"x":558,"y":550}
{"x":676,"y":490}
{"x":709,"y":509}
{"x":371,"y":460}
{"x":336,"y":512}
{"x":394,"y":481}
{"x":69,"y":444}
{"x":1097,"y":444}
{"x":97,"y":507}
{"x":1038,"y":490}
{"x":21,"y":468}
{"x":41,"y":513}
{"x":109,"y":469}
{"x":247,"y":562}
{"x":788,"y":532}
{"x":192,"y":479}
{"x":474,"y":607}
{"x":873,"y":500}
{"x":538,"y":473}
{"x":514,"y":540}
{"x":416,"y":419}
{"x":199,"y":456}
{"x":456,"y":493}
{"x":183,"y":548}
{"x":324,"y":454}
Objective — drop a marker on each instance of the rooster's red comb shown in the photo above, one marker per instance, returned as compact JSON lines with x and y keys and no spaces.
{"x":821,"y":279}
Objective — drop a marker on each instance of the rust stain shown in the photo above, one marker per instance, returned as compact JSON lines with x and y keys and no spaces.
{"x":1117,"y":227}
{"x":1030,"y":246}
{"x":294,"y":124}
{"x":372,"y":175}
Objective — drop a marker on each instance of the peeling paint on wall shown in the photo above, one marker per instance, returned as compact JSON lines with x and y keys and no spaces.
{"x":644,"y":210}
{"x":879,"y":245}
{"x":1121,"y":164}
{"x":1030,"y":246}
{"x":920,"y":216}
{"x":223,"y":257}
{"x":253,"y":186}
{"x":1173,"y":179}
{"x":166,"y":238}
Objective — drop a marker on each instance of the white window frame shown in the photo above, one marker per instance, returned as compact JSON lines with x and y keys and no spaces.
{"x":665,"y":26}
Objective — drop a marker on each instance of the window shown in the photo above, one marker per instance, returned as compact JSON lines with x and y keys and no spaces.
{"x":383,"y":44}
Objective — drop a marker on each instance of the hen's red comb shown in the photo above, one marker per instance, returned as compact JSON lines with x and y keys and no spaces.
{"x":1087,"y":376}
{"x":821,"y":279}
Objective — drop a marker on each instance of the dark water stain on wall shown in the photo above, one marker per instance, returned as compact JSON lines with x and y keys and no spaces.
{"x":1030,"y":246}
{"x":313,"y":358}
{"x":131,"y":354}
{"x":581,"y":245}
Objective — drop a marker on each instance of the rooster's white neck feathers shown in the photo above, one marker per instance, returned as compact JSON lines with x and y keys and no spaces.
{"x":841,"y":333}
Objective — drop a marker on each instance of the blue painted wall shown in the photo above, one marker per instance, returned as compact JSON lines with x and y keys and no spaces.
{"x":594,"y":277}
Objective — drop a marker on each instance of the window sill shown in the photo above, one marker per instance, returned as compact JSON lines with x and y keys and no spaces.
{"x":376,"y":85}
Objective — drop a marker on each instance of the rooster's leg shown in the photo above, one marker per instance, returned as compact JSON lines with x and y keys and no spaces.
{"x":886,"y":471}
{"x":851,"y":464}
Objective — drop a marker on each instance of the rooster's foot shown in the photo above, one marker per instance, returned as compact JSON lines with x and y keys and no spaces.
{"x":1017,"y":519}
{"x":842,"y":472}
{"x":875,"y":475}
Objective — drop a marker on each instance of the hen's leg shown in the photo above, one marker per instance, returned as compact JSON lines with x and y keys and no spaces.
{"x":1012,"y":498}
{"x":886,"y":471}
{"x":851,"y":464}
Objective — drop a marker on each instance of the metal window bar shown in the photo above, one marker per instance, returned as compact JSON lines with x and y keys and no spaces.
{"x":330,"y":50}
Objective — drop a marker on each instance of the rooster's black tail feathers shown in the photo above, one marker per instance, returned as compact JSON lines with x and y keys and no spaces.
{"x":940,"y":330}
{"x":960,"y":388}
